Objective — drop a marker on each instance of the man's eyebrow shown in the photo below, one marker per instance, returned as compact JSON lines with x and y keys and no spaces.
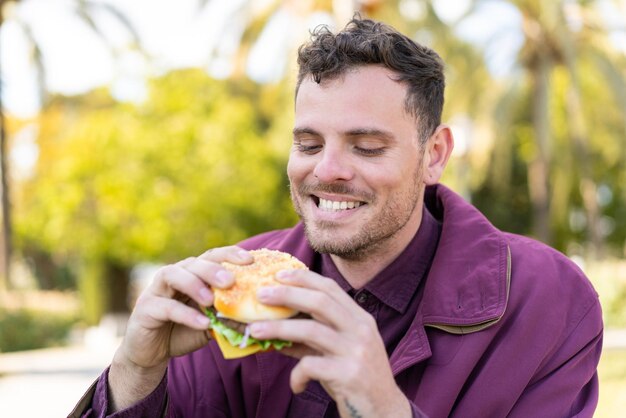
{"x":305,"y":130}
{"x":357,"y":132}
{"x":371,"y":132}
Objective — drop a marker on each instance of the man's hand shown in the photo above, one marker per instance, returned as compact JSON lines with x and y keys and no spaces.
{"x":340,"y":347}
{"x":167,"y":322}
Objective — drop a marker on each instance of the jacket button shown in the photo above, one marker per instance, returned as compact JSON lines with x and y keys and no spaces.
{"x":362,"y":298}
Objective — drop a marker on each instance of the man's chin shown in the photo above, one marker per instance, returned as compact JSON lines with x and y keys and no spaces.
{"x":346,"y":252}
{"x":325,"y":242}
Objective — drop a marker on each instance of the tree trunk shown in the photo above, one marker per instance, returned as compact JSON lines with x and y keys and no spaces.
{"x":588,"y":187}
{"x":103,"y":286}
{"x":116,"y":280}
{"x":5,"y":239}
{"x":539,"y":169}
{"x":580,"y":139}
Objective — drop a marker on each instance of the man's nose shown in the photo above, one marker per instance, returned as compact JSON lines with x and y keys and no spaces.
{"x":333,"y":166}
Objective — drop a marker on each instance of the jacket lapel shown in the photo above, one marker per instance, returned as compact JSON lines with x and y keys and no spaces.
{"x":468,"y":284}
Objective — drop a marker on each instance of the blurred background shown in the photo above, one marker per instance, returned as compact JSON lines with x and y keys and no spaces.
{"x":137,"y":133}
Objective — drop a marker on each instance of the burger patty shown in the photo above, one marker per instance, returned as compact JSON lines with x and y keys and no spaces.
{"x":240,"y":327}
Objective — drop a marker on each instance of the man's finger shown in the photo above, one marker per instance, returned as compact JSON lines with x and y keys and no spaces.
{"x":311,"y":280}
{"x":298,"y":351}
{"x":211,"y":273}
{"x":310,"y":368}
{"x":317,"y":336}
{"x":160,"y":310}
{"x":232,"y":254}
{"x":173,"y":278}
{"x":320,"y":305}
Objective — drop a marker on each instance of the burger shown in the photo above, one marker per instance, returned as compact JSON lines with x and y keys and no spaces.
{"x":236,"y":307}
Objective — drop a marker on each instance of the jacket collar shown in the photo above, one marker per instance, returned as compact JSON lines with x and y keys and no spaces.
{"x":468,"y":284}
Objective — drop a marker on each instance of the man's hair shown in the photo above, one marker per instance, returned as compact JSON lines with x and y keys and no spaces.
{"x":365,"y":42}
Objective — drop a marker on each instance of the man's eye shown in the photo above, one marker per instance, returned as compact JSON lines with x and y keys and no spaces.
{"x":370,"y":151}
{"x":308,"y":149}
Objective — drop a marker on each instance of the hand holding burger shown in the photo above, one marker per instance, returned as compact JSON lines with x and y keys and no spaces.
{"x":168,"y":320}
{"x":236,"y":307}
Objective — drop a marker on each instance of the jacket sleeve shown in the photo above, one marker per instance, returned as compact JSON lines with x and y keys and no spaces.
{"x":94,"y":403}
{"x":568,"y":384}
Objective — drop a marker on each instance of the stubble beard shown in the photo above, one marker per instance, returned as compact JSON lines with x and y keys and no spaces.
{"x":374,"y":235}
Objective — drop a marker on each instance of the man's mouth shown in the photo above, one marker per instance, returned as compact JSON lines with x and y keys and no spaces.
{"x":337,"y":205}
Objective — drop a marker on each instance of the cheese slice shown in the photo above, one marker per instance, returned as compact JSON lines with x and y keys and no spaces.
{"x":230,"y":352}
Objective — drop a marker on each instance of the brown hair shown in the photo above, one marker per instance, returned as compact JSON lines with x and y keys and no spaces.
{"x":365,"y":42}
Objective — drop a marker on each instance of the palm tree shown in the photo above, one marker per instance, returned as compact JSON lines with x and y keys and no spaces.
{"x":552,"y":43}
{"x":294,"y":18}
{"x":85,"y":11}
{"x":558,"y":37}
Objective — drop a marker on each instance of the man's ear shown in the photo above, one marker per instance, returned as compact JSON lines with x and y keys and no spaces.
{"x":438,"y":150}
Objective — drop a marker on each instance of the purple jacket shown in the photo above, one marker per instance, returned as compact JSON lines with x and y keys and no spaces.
{"x":507,"y":327}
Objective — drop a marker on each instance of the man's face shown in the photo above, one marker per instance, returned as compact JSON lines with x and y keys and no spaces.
{"x":355,"y":167}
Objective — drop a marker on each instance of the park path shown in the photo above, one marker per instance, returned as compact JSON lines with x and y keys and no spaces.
{"x":49,"y":382}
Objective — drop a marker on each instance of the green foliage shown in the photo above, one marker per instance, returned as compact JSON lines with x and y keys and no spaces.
{"x":188,"y":170}
{"x":27,"y":329}
{"x":201,"y":162}
{"x":585,"y":144}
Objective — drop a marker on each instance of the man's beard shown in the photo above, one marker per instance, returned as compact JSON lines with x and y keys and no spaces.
{"x":372,"y":236}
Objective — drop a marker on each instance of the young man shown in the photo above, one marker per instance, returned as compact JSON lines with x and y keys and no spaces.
{"x":419,"y":306}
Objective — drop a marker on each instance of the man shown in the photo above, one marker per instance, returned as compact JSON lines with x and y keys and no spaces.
{"x":419,"y":306}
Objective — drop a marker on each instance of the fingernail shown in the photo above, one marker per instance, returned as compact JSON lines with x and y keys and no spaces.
{"x":264,"y":293}
{"x":244,"y":255}
{"x":284,"y":274}
{"x":202,"y":320}
{"x":205,"y":296}
{"x":224,"y":277}
{"x":257,"y":329}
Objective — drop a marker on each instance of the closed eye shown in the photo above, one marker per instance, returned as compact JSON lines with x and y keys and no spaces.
{"x":370,"y":152}
{"x":308,"y":149}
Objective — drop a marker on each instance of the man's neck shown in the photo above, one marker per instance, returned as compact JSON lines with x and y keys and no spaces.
{"x":361,"y":271}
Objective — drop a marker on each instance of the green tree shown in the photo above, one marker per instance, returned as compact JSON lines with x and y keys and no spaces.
{"x":85,"y":11}
{"x":538,"y":158}
{"x":119,"y":184}
{"x":544,"y":118}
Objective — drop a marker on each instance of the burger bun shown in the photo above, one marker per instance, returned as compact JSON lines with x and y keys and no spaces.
{"x":240,"y":302}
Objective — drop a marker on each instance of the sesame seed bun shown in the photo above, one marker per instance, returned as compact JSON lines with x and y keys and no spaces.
{"x":239,"y":302}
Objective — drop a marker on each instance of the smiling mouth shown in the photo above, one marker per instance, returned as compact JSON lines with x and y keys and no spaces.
{"x":336,"y":205}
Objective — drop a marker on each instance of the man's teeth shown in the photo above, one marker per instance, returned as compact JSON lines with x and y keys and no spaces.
{"x":334,"y":205}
